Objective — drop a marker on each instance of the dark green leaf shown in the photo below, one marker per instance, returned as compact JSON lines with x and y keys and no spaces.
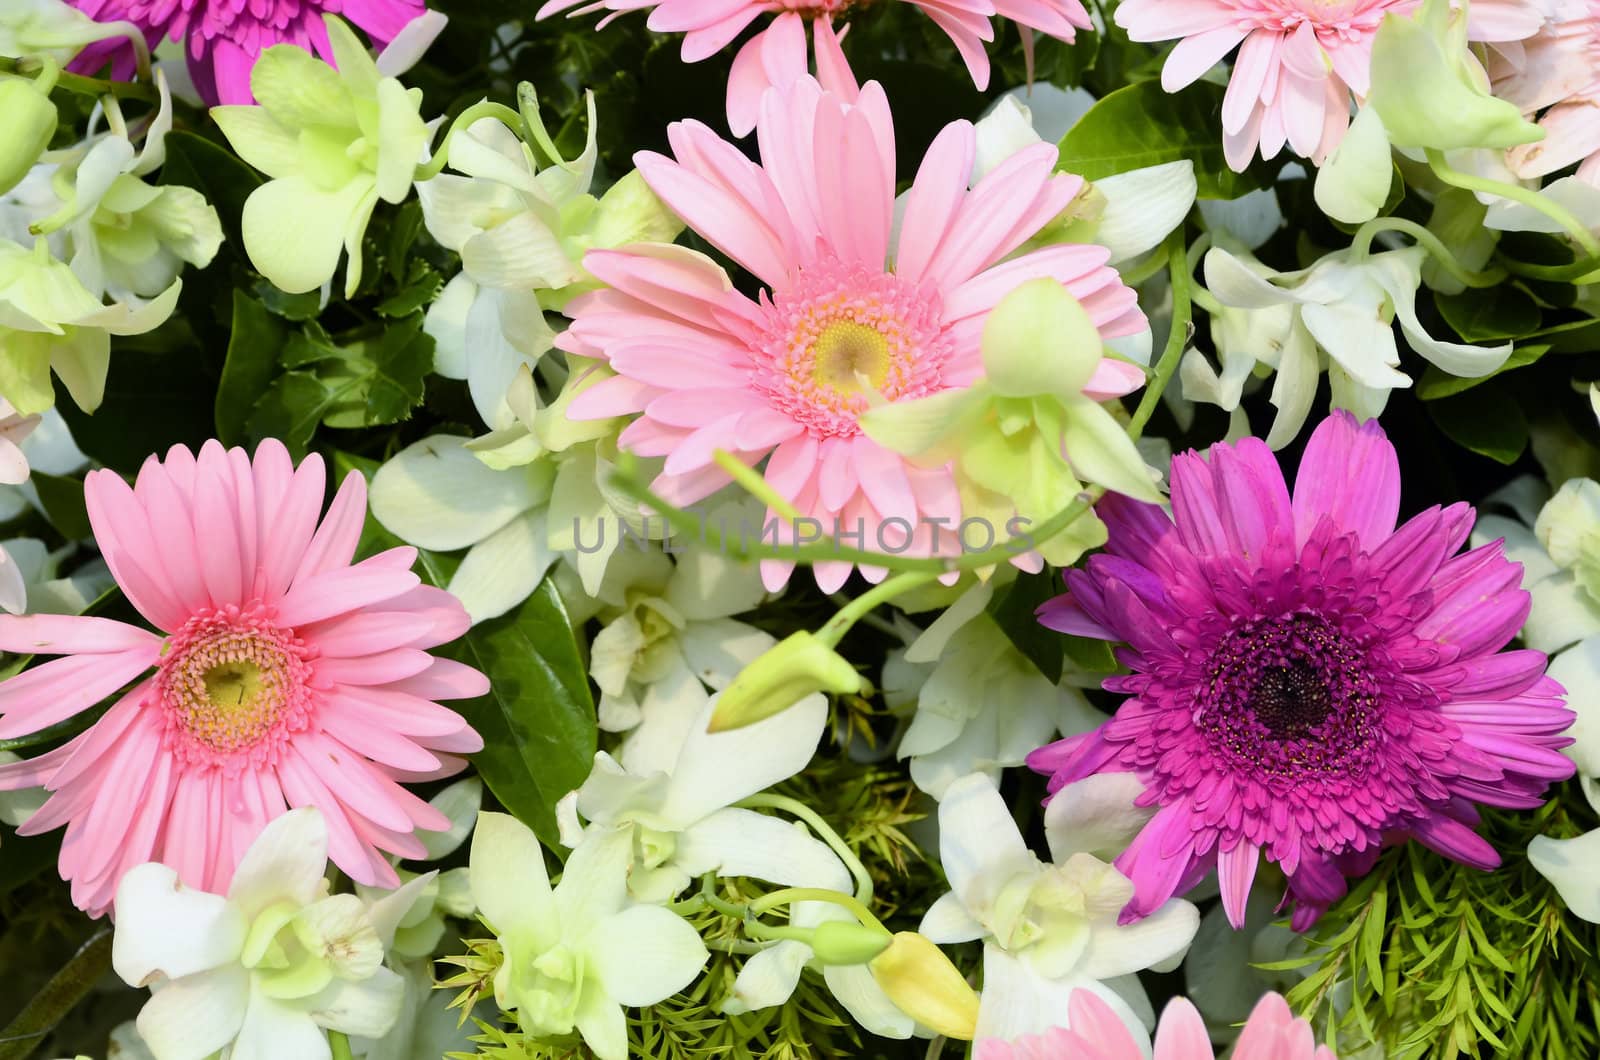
{"x":62,"y":499}
{"x":155,"y":398}
{"x":254,"y":345}
{"x":213,"y":171}
{"x":1014,"y":611}
{"x":1144,"y":125}
{"x":1437,"y":383}
{"x":290,"y":411}
{"x":25,"y":857}
{"x":422,"y":285}
{"x":1489,"y":315}
{"x":304,"y":306}
{"x":1485,"y":421}
{"x":538,"y":720}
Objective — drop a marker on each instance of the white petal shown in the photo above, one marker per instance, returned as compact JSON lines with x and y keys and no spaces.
{"x":1252,"y":218}
{"x":286,"y":861}
{"x":521,"y":253}
{"x":1563,"y":613}
{"x":1353,"y":184}
{"x":717,"y":649}
{"x":368,"y":1008}
{"x":1578,"y":670}
{"x":505,"y":333}
{"x":718,"y":769}
{"x":645,"y":954}
{"x":1005,"y":128}
{"x":1236,"y":284}
{"x":459,"y":802}
{"x":437,"y":494}
{"x":855,"y":988}
{"x":446,"y":322}
{"x":768,"y":978}
{"x":509,"y":882}
{"x":500,"y":572}
{"x":593,"y":883}
{"x":947,"y":921}
{"x":1159,"y":938}
{"x":273,"y":1030}
{"x":1573,"y":866}
{"x":1361,"y":343}
{"x":930,"y":645}
{"x":1400,"y":272}
{"x":603,"y":1026}
{"x":1142,"y":206}
{"x":193,"y":1017}
{"x":1096,"y":816}
{"x":706,"y":585}
{"x":979,"y":845}
{"x":386,"y":912}
{"x":167,"y":929}
{"x":1017,"y":1001}
{"x":736,"y":842}
{"x":13,"y":587}
{"x":408,"y":46}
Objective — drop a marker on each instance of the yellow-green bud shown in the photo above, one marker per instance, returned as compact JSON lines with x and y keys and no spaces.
{"x":922,"y":983}
{"x":783,"y":675}
{"x":847,"y":942}
{"x":25,"y":131}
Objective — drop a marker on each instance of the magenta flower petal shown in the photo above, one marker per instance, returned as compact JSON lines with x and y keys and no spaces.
{"x":1309,"y":683}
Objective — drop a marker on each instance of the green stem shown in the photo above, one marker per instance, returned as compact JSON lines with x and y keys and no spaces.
{"x":1177,"y":337}
{"x":1527,"y":196}
{"x":57,"y":998}
{"x":1361,"y":246}
{"x":49,"y":75}
{"x":751,"y":481}
{"x":885,"y":591}
{"x":767,"y":933}
{"x":340,"y":1046}
{"x":825,"y":831}
{"x":83,"y":86}
{"x":790,"y":895}
{"x":482,"y":109}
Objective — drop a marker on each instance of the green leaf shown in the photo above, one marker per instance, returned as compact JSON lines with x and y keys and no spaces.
{"x":538,"y":720}
{"x":1013,"y":611}
{"x":62,"y":499}
{"x":155,"y":398}
{"x":26,"y":856}
{"x":253,"y":347}
{"x":422,"y":285}
{"x":1143,"y":125}
{"x":290,"y":411}
{"x":213,"y":171}
{"x":1437,"y":383}
{"x":1484,"y":421}
{"x":304,"y":306}
{"x":1489,"y":315}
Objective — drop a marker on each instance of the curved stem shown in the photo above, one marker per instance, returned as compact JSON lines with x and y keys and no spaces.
{"x":1526,"y":196}
{"x":751,"y":481}
{"x":48,"y":76}
{"x":1361,"y":246}
{"x":57,"y":998}
{"x":790,"y":895}
{"x":482,"y":109}
{"x":856,"y":609}
{"x":824,"y":831}
{"x":1177,"y":337}
{"x":83,"y":86}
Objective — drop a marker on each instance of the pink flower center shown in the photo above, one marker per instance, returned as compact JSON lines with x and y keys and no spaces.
{"x":843,"y":336}
{"x":1332,"y":19}
{"x":230,"y":682}
{"x":1290,"y":697}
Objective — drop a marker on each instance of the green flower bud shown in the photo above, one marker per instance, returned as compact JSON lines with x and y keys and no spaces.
{"x":847,"y":942}
{"x":30,"y":122}
{"x":785,"y":673}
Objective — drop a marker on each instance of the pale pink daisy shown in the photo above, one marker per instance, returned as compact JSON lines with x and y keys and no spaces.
{"x":1299,"y":61}
{"x":284,"y":676}
{"x":849,"y":314}
{"x":1556,"y":75}
{"x":777,"y":54}
{"x":1095,"y":1033}
{"x":224,"y":38}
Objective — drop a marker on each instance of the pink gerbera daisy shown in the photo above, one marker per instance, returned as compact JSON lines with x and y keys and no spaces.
{"x":224,"y":38}
{"x":849,"y":313}
{"x":1095,"y":1033}
{"x":1298,"y":62}
{"x":777,"y":54}
{"x":284,"y":676}
{"x":1556,"y":75}
{"x":1309,"y":683}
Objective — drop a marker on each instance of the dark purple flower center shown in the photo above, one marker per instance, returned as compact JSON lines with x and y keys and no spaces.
{"x":1290,"y":697}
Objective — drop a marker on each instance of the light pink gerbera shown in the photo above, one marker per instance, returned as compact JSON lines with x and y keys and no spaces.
{"x":1299,"y":61}
{"x":777,"y":55}
{"x":848,"y":314}
{"x":284,"y":676}
{"x":1308,"y":683}
{"x":1271,"y":1033}
{"x":224,"y":38}
{"x":1556,"y":72}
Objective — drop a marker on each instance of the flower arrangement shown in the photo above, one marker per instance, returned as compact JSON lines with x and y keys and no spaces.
{"x":1016,"y":531}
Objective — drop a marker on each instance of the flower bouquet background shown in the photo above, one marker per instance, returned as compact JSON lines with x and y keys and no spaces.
{"x":1017,"y":530}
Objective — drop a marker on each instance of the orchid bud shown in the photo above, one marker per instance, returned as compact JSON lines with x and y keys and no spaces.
{"x":30,"y":122}
{"x":796,"y":667}
{"x":837,"y":942}
{"x":923,"y":984}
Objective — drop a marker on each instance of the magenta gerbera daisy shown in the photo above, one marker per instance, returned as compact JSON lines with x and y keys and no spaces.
{"x":777,"y":54}
{"x":224,"y":38}
{"x":1308,"y":682}
{"x":284,"y":676}
{"x":849,"y":313}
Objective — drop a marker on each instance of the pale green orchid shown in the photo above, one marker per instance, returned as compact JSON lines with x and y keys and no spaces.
{"x":1022,"y":436}
{"x":334,"y":142}
{"x":50,"y":322}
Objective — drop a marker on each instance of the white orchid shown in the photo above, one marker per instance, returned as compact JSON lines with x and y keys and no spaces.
{"x":1047,"y":928}
{"x":268,"y":969}
{"x":575,"y":954}
{"x":983,"y":705}
{"x":1335,"y":315}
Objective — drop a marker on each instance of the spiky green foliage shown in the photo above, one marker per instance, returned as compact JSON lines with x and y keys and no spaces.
{"x":1427,"y":959}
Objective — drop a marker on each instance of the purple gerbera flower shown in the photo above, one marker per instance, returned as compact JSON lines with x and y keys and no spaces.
{"x":225,"y":37}
{"x":1309,"y":683}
